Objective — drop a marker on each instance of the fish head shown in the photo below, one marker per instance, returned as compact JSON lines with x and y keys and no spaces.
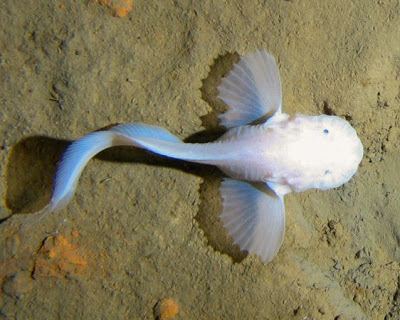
{"x":328,"y":152}
{"x":339,"y":150}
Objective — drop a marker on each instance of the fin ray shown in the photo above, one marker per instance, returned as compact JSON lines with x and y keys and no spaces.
{"x":256,"y":222}
{"x":251,"y":90}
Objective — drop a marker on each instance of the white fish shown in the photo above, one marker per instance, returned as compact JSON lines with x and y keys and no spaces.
{"x":265,"y":161}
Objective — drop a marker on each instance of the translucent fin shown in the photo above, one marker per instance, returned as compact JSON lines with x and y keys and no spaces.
{"x":252,"y":90}
{"x":72,"y":164}
{"x":81,"y":151}
{"x":254,"y":216}
{"x":140,"y":131}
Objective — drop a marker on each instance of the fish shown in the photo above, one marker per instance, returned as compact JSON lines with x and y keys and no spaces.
{"x":265,"y":154}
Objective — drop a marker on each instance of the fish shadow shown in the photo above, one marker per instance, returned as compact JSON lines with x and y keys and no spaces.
{"x":30,"y":171}
{"x":32,"y":163}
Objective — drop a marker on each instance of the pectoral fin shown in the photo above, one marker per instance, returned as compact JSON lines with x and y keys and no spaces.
{"x":254,"y":216}
{"x":252,"y":90}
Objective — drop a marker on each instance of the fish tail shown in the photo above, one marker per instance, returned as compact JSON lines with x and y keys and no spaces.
{"x":79,"y":152}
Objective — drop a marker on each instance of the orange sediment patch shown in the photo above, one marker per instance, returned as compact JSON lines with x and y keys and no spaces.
{"x":120,"y":8}
{"x":166,"y":309}
{"x":58,"y":257}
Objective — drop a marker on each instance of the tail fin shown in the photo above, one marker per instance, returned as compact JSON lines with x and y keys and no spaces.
{"x":81,"y":151}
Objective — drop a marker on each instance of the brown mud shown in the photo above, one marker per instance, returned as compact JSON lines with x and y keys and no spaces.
{"x":141,"y":229}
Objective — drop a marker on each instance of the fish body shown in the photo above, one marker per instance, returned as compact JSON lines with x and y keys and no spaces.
{"x":299,"y":152}
{"x":264,"y":162}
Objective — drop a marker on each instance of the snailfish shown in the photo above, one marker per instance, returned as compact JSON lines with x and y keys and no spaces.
{"x":264,"y":162}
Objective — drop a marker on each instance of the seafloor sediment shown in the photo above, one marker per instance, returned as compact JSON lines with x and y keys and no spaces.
{"x":140,"y":228}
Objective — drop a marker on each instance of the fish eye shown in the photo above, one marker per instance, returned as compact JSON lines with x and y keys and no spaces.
{"x":326,"y":131}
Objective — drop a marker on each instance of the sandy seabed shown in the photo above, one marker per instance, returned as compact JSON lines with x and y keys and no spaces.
{"x":141,"y":228}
